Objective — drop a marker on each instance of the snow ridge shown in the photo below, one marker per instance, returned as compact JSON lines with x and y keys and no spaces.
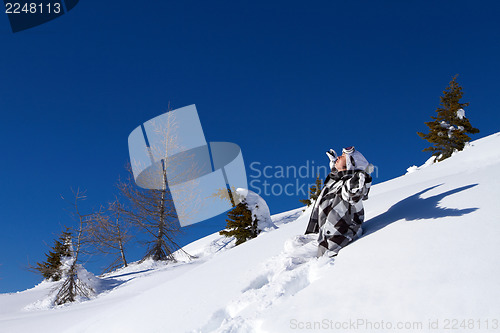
{"x":428,"y":253}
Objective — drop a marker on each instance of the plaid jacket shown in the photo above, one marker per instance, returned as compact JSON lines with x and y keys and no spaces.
{"x":338,"y":212}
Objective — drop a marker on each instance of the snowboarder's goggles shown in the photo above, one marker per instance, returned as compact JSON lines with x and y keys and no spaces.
{"x":348,"y":150}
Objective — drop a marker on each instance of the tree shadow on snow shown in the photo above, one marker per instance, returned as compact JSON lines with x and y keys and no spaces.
{"x":133,"y":273}
{"x":108,"y":284}
{"x":415,"y":208}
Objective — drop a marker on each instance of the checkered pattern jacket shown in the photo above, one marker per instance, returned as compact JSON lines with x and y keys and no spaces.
{"x":338,"y":212}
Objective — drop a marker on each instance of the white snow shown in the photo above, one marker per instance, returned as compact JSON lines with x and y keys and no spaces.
{"x":427,"y":163}
{"x":444,"y":124}
{"x":94,"y":284}
{"x":461,"y":115}
{"x":428,"y":255}
{"x":258,"y":206}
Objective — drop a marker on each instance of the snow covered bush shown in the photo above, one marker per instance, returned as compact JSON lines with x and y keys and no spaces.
{"x":249,"y":216}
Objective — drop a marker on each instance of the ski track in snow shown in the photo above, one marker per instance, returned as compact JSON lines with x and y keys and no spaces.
{"x":281,"y":276}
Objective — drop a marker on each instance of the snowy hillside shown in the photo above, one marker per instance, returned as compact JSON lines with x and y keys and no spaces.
{"x":427,"y":259}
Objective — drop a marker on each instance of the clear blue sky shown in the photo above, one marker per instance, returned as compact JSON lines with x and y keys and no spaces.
{"x":285,"y":80}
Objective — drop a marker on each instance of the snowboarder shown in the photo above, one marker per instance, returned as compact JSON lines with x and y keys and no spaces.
{"x":338,"y":212}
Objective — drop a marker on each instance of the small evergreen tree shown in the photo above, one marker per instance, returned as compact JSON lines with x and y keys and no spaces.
{"x":448,"y":129}
{"x":241,"y":224}
{"x":51,"y":268}
{"x":314,"y":192}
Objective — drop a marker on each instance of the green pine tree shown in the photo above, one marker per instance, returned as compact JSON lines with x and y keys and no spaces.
{"x":241,"y":224}
{"x":51,"y":268}
{"x":448,"y":129}
{"x":314,"y":192}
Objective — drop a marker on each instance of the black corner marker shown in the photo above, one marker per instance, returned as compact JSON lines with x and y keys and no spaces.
{"x":70,"y":4}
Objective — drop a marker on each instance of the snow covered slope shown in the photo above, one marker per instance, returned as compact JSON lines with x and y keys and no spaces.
{"x":428,"y":259}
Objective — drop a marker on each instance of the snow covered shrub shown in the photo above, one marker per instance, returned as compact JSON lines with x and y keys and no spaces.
{"x":249,"y":216}
{"x":241,"y":224}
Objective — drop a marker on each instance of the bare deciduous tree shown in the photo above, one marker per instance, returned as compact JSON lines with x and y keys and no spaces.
{"x":73,"y":285}
{"x":109,"y":233}
{"x":154,"y":212}
{"x":170,"y":163}
{"x":151,"y":207}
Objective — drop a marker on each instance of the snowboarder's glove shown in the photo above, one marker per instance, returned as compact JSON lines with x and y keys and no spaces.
{"x":332,"y":155}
